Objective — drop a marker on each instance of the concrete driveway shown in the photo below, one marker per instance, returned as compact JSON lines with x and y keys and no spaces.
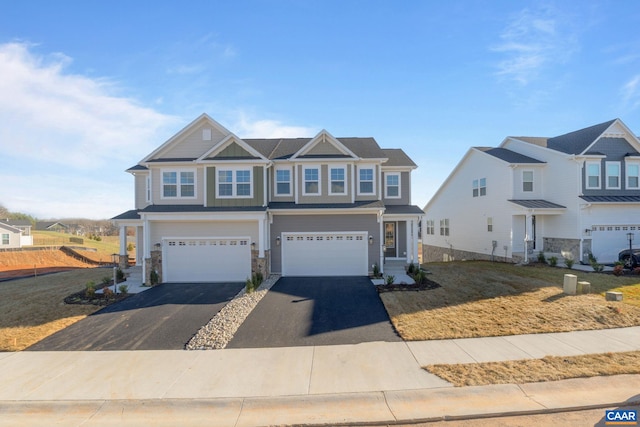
{"x":162,"y":318}
{"x":309,"y":311}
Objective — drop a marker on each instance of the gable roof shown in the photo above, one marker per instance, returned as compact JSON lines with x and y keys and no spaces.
{"x":323,"y":137}
{"x":397,"y":157}
{"x":8,"y":227}
{"x":509,"y":156}
{"x":578,"y":141}
{"x":228,"y":141}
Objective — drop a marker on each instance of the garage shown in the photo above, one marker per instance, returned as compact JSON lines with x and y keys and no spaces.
{"x":206,"y":259}
{"x":608,"y":240}
{"x":325,"y":254}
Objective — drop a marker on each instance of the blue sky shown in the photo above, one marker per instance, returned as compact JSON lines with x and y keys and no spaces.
{"x":88,"y":88}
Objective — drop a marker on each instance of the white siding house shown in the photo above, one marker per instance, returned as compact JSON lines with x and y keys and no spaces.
{"x":570,"y":196}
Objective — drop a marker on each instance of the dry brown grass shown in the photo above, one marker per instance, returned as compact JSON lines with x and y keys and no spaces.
{"x":32,"y":309}
{"x":550,"y":368}
{"x":479,"y":299}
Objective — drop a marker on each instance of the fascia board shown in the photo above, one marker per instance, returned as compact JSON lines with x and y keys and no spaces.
{"x":326,"y":211}
{"x":203,"y":216}
{"x":340,"y":146}
{"x":228,"y":140}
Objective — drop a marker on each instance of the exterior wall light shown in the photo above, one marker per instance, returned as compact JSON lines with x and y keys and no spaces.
{"x":371,"y":240}
{"x":278,"y":241}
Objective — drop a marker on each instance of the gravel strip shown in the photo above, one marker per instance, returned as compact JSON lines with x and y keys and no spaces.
{"x":220,"y":330}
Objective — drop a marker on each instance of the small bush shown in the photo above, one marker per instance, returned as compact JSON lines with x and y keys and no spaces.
{"x":130,"y":247}
{"x":154,"y":277}
{"x":254,"y":282}
{"x":119,"y":275}
{"x":376,"y":270}
{"x":597,"y":267}
{"x":411,"y":269}
{"x":390,"y":279}
{"x":618,"y":270}
{"x":108,"y":293}
{"x":636,"y":271}
{"x":541,"y":258}
{"x":420,"y":277}
{"x":568,"y":262}
{"x":90,"y":289}
{"x":553,"y":261}
{"x":106,"y":280}
{"x":123,"y":289}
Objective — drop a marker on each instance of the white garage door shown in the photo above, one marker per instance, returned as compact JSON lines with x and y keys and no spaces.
{"x":206,"y":260}
{"x":325,"y":254}
{"x":608,"y":240}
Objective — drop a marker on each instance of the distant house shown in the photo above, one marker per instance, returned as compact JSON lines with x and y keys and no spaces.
{"x":16,"y":233}
{"x":571,"y":195}
{"x":52,"y":226}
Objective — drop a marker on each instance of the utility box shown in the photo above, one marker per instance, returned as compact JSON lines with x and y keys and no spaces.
{"x":570,"y":284}
{"x":613,"y":296}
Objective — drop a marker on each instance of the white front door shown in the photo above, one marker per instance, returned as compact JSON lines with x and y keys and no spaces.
{"x":223,"y":259}
{"x":325,"y":254}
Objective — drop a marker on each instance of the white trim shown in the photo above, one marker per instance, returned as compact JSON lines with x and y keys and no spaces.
{"x":627,"y":175}
{"x":533,"y":180}
{"x":342,"y":167}
{"x":234,"y":182}
{"x":178,"y":184}
{"x":227,"y":141}
{"x":371,"y":167}
{"x":386,"y":189}
{"x":304,"y":181}
{"x":323,"y":136}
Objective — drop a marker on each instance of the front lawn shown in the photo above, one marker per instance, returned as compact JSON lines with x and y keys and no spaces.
{"x":479,"y":299}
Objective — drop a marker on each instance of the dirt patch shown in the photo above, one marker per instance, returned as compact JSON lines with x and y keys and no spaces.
{"x":37,"y":261}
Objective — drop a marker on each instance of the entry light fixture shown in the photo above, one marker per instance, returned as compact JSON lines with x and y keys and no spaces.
{"x":278,"y":241}
{"x":371,"y":240}
{"x":253,"y":245}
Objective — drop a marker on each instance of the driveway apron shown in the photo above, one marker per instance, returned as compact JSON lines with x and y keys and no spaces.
{"x":307,"y":311}
{"x":162,"y":318}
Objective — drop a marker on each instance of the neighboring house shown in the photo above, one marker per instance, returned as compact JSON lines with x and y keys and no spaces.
{"x":8,"y":236}
{"x":569,"y":196}
{"x":52,"y":226}
{"x":210,"y":206}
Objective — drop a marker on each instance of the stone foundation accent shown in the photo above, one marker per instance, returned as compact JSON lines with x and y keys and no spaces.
{"x":151,"y":264}
{"x":123,"y":261}
{"x":565,"y":247}
{"x":440,"y":254}
{"x":260,"y":264}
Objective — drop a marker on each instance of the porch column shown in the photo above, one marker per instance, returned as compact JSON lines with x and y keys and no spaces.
{"x":261,"y":238}
{"x":381,"y":245}
{"x":414,"y":242}
{"x":146,"y":246}
{"x":124,"y":256}
{"x":409,"y":248}
{"x":528,"y":230}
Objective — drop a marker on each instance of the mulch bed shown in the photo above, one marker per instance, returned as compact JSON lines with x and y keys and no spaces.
{"x":97,"y":299}
{"x":427,"y":285}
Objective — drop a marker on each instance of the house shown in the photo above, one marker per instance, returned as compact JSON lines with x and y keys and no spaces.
{"x":16,"y":233}
{"x":210,"y":206}
{"x":572,"y":195}
{"x":52,"y":226}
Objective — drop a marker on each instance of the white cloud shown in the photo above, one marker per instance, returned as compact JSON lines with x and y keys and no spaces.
{"x":533,"y":42}
{"x":247,"y":128}
{"x":631,"y":92}
{"x":65,"y":139}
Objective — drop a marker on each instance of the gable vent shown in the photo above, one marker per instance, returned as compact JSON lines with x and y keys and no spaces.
{"x":206,"y":134}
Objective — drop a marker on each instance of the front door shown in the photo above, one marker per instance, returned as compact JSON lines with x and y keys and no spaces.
{"x":390,"y":239}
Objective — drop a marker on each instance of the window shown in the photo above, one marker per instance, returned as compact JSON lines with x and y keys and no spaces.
{"x":430,"y":224}
{"x":337,"y":181}
{"x":283,"y":182}
{"x":444,"y":227}
{"x":178,"y":184}
{"x":390,"y":234}
{"x":234,"y":183}
{"x":392,"y":189}
{"x":480,"y":187}
{"x":613,"y":175}
{"x":148,"y":189}
{"x":633,"y":175}
{"x":489,"y":224}
{"x":365,"y":176}
{"x":527,"y":181}
{"x":5,"y":239}
{"x":593,"y":175}
{"x":311,"y":181}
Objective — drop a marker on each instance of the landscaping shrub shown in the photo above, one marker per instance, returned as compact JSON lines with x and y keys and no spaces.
{"x":541,"y":258}
{"x":618,"y":270}
{"x":123,"y":289}
{"x":376,"y":270}
{"x":108,"y":293}
{"x":636,"y":271}
{"x":568,"y":261}
{"x":119,"y":275}
{"x":411,"y":269}
{"x":254,"y":282}
{"x":597,"y":267}
{"x":90,"y":289}
{"x":106,"y":280}
{"x":553,"y":261}
{"x":420,"y":277}
{"x":389,"y":279}
{"x":154,"y":277}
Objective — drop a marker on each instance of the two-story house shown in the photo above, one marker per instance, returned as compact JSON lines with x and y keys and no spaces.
{"x":212,"y":207}
{"x":570,"y":196}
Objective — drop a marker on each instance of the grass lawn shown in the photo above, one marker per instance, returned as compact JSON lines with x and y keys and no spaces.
{"x":102,"y":250}
{"x":480,"y":299}
{"x":32,"y":309}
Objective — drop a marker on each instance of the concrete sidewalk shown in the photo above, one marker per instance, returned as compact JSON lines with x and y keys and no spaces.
{"x":371,"y":382}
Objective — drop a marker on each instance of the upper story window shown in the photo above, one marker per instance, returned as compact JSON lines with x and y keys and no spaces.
{"x":613,"y":175}
{"x":527,"y":181}
{"x":392,"y":187}
{"x":179,"y":184}
{"x":480,"y":187}
{"x":148,"y":189}
{"x":592,"y":175}
{"x":234,"y":183}
{"x":430,"y":226}
{"x":365,"y":181}
{"x":283,"y":182}
{"x":311,"y":185}
{"x":337,"y":185}
{"x":633,"y":175}
{"x":444,"y":227}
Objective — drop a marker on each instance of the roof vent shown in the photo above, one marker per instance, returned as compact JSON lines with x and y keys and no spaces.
{"x":206,"y":134}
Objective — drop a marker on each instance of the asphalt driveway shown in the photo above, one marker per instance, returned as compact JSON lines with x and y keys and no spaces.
{"x":164,"y":317}
{"x":304,"y":311}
